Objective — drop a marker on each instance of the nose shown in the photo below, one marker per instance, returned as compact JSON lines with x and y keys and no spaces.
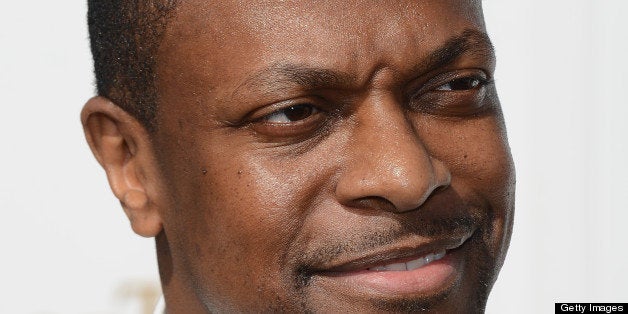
{"x":387,"y":162}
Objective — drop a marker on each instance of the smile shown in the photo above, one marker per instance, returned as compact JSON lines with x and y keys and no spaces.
{"x":410,"y":265}
{"x":403,"y":270}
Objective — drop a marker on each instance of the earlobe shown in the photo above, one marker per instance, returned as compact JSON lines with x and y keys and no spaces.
{"x":122,"y":147}
{"x":143,"y":221}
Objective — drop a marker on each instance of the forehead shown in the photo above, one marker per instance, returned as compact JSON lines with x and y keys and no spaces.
{"x":213,"y":47}
{"x":227,"y":17}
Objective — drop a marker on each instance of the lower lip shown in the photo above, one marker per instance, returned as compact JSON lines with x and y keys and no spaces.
{"x":431,"y":279}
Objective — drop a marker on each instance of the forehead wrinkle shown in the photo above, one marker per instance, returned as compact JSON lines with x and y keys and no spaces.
{"x":283,"y":76}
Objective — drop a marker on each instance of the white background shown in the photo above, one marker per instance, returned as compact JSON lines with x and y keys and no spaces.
{"x":66,"y":247}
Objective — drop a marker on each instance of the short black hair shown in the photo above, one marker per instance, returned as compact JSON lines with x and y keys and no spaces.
{"x":125,"y":36}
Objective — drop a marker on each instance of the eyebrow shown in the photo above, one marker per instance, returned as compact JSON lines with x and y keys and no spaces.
{"x":470,"y":40}
{"x":284,"y":75}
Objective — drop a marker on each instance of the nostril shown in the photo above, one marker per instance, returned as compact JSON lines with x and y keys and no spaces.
{"x":438,"y":189}
{"x":373,"y":203}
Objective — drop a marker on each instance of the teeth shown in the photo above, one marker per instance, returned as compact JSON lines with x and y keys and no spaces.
{"x":396,"y":266}
{"x":414,"y":264}
{"x":411,"y":265}
{"x":391,"y":267}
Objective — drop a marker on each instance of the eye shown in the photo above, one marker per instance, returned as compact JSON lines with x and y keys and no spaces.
{"x":454,"y":94}
{"x":462,"y":84}
{"x":291,"y":114}
{"x":297,"y":121}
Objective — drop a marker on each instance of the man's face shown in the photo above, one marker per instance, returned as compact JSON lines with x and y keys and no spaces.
{"x":331,"y":155}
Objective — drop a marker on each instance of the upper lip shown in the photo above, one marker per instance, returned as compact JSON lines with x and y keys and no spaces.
{"x":402,"y":251}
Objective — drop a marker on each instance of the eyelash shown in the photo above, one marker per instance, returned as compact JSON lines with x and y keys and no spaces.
{"x":293,"y":121}
{"x":475,"y":81}
{"x":457,"y":94}
{"x":299,"y":110}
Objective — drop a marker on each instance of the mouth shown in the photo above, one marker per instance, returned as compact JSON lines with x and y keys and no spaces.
{"x":410,"y":265}
{"x":406,"y":269}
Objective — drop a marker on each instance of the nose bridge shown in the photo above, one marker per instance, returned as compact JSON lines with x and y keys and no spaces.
{"x":394,"y":147}
{"x":388,"y":159}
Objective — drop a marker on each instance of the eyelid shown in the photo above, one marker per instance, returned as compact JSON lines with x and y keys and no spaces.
{"x":441,"y":79}
{"x":266,"y":118}
{"x":259,"y":114}
{"x":452,"y":103}
{"x":477,"y":82}
{"x":289,"y":131}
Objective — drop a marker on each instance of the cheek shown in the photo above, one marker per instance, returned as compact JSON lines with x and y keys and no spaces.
{"x":474,"y":150}
{"x":235,"y":212}
{"x":478,"y":156}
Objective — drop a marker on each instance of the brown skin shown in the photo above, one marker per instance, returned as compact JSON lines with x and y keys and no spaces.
{"x":250,"y":202}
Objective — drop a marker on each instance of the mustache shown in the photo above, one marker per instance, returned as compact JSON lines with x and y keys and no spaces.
{"x":435,"y":228}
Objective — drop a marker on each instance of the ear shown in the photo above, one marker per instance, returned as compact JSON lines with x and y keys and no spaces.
{"x":123,"y":148}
